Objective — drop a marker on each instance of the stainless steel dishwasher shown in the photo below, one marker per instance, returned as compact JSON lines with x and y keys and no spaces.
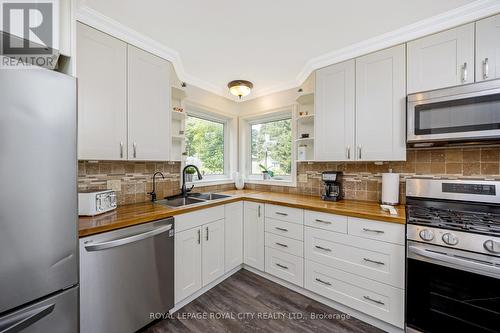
{"x":125,"y":276}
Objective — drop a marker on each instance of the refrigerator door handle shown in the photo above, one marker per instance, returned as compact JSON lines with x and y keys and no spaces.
{"x":127,"y":239}
{"x":18,"y":322}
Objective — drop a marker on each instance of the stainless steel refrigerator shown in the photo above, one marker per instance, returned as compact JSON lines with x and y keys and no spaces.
{"x":38,"y":202}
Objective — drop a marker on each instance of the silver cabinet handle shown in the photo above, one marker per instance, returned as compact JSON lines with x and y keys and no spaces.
{"x":282,"y":266}
{"x":464,"y":72}
{"x":323,"y":248}
{"x":258,"y":211}
{"x":281,"y":229}
{"x":281,"y":244}
{"x":368,"y":298}
{"x":199,"y":236}
{"x":282,"y":214}
{"x":121,"y":149}
{"x":359,"y":151}
{"x":134,"y":146}
{"x":373,"y":230}
{"x":348,"y":152}
{"x":374,"y":261}
{"x":128,"y":239}
{"x":18,"y":322}
{"x":324,"y":282}
{"x":486,"y":68}
{"x":323,"y":221}
{"x":206,"y":229}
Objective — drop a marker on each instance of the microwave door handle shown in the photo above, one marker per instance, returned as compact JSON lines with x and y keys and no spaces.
{"x":128,"y":239}
{"x":462,"y":263}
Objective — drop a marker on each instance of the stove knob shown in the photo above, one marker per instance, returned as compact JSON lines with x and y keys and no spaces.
{"x":492,"y":246}
{"x":450,"y":239}
{"x":426,"y":234}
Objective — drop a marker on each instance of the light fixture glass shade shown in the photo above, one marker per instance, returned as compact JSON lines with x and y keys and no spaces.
{"x":240,"y":88}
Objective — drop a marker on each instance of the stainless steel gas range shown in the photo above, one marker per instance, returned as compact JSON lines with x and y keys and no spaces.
{"x":453,"y":256}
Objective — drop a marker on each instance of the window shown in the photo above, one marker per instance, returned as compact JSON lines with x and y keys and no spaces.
{"x":271,"y":147}
{"x":205,"y":145}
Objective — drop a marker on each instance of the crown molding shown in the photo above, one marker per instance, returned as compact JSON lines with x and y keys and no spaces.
{"x":458,"y":16}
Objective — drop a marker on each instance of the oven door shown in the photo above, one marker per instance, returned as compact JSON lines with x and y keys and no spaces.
{"x":450,"y":290}
{"x":466,"y":113}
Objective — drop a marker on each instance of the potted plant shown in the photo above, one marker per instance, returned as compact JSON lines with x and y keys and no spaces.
{"x":189,"y":174}
{"x":266,"y":173}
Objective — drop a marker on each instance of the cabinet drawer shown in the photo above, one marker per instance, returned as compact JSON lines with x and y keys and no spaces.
{"x":285,"y":213}
{"x":199,"y":217}
{"x":285,"y":244}
{"x":373,"y":298}
{"x":382,"y":231}
{"x":285,"y":266}
{"x":380,"y":261}
{"x":326,"y":221}
{"x":287,"y":229}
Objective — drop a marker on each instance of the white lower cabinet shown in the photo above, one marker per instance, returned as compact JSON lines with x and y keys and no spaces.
{"x":285,"y":266}
{"x":212,"y":251}
{"x":373,"y":298}
{"x":187,"y":263}
{"x":233,"y":230}
{"x":253,"y":235}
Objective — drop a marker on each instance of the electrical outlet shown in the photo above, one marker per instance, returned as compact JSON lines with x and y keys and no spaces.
{"x":115,"y":185}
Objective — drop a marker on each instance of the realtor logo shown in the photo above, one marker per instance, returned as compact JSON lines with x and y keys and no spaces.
{"x":28,"y":27}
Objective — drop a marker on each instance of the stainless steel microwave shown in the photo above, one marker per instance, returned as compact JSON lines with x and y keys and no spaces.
{"x":467,"y":114}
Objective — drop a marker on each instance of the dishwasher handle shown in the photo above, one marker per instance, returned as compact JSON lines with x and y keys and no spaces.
{"x":127,"y":239}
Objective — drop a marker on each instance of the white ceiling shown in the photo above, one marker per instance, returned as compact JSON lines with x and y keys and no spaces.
{"x":268,"y":42}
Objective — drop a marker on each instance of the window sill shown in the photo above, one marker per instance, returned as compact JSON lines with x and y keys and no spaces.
{"x":288,"y":183}
{"x":210,"y":182}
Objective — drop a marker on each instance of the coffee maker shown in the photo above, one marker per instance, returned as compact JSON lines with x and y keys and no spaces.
{"x":332,"y":183}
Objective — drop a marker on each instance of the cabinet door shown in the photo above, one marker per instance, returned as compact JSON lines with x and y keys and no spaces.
{"x":381,"y":105}
{"x":102,"y":95}
{"x":233,"y":230}
{"x":253,"y":233}
{"x":334,"y":112}
{"x":187,"y":263}
{"x":148,"y":106}
{"x":441,"y":60}
{"x":213,"y":251}
{"x":488,"y":48}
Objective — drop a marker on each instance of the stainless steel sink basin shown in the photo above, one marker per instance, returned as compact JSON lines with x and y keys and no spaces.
{"x":192,"y":199}
{"x":209,"y":196}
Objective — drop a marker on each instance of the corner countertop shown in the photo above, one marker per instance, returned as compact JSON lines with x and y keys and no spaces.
{"x":133,"y":214}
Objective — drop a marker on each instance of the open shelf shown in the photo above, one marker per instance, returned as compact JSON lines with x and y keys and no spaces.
{"x":178,"y":115}
{"x":178,"y":93}
{"x":307,"y":98}
{"x":304,"y":139}
{"x":178,"y":137}
{"x":305,"y":119}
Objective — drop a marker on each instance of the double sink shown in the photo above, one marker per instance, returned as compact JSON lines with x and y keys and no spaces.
{"x":191,"y":199}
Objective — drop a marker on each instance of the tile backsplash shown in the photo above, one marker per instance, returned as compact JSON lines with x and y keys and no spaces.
{"x":361,"y":181}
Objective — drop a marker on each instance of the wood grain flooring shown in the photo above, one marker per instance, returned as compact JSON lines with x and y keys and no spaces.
{"x":244,"y":302}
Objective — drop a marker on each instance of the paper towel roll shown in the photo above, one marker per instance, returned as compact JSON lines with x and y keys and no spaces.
{"x":390,"y":188}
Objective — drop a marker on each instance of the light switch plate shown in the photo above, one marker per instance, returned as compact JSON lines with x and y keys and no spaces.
{"x":115,"y":185}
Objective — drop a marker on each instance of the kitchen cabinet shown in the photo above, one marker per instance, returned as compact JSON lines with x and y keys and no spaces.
{"x":253,"y":231}
{"x":148,"y":106}
{"x":441,"y":60}
{"x":488,"y":48}
{"x":102,"y":95}
{"x":233,"y":229}
{"x":188,"y":259}
{"x":381,"y":105}
{"x":212,"y":251}
{"x":334,"y":112}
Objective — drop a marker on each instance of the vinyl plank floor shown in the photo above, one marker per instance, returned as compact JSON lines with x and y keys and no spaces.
{"x":241,"y":304}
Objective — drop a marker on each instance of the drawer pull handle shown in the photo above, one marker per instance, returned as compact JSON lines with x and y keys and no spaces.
{"x":281,"y":244}
{"x":282,"y":266}
{"x":282,"y":214}
{"x":374,"y":230}
{"x":368,"y":298}
{"x":324,"y":282}
{"x":374,"y":261}
{"x":323,"y":248}
{"x":323,"y":221}
{"x":281,"y":229}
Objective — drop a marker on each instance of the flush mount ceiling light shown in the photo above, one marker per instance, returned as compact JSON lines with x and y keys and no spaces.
{"x":240,"y":88}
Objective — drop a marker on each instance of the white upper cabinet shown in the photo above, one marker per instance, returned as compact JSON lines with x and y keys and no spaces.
{"x":381,"y":105}
{"x":334,"y":110}
{"x":148,"y":106}
{"x":441,"y":60}
{"x":488,"y":48}
{"x":102,"y":95}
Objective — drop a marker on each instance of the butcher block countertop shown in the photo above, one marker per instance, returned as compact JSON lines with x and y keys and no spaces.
{"x":128,"y":215}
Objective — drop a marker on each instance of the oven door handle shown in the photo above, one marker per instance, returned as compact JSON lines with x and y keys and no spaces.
{"x":463,"y":263}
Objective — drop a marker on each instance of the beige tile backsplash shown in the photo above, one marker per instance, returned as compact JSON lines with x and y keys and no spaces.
{"x":361,"y":181}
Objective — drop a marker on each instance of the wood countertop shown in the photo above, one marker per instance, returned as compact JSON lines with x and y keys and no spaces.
{"x":128,"y":215}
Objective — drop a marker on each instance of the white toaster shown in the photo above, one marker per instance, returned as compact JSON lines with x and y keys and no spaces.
{"x":94,"y":202}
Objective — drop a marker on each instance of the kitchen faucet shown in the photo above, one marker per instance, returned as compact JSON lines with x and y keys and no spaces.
{"x":185,"y":191}
{"x":153,"y":192}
